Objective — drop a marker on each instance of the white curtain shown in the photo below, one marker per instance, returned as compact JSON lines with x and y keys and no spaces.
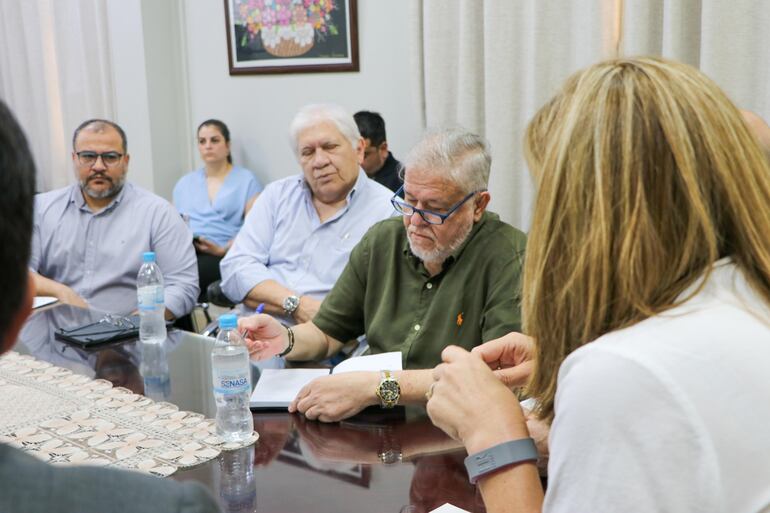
{"x":487,"y":65}
{"x":728,"y":41}
{"x":55,"y":72}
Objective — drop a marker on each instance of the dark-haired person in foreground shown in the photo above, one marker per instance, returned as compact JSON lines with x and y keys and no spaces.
{"x":28,"y":484}
{"x":89,"y":237}
{"x":647,"y":298}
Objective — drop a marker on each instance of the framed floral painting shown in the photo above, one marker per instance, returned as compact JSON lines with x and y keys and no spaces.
{"x":291,"y":36}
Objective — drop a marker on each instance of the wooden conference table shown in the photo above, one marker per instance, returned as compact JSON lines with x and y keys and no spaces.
{"x":377,"y":462}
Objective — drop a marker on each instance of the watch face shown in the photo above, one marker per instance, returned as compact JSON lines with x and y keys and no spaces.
{"x":389,"y":390}
{"x":291,"y":303}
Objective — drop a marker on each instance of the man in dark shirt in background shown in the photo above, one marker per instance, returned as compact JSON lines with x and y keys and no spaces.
{"x":379,"y":163}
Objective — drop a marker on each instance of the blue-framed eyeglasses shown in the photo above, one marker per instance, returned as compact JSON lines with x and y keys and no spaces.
{"x":428,"y":216}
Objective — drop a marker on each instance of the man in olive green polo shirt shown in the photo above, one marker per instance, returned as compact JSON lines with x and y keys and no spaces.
{"x":447,"y":272}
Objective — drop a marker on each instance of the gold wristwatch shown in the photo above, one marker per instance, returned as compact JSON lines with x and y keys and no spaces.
{"x":388,"y":390}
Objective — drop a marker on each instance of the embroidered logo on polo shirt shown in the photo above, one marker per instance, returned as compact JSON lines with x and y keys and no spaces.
{"x":460,"y":319}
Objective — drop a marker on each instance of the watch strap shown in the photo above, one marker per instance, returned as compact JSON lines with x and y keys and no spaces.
{"x":289,"y":347}
{"x":500,"y":456}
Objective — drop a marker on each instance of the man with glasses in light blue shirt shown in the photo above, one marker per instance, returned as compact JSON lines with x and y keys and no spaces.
{"x":89,"y":237}
{"x":297,"y":237}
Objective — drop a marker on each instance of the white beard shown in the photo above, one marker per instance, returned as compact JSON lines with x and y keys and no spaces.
{"x":441,"y":253}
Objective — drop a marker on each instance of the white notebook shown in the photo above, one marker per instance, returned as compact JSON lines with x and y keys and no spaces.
{"x":448,"y":508}
{"x":41,"y":301}
{"x":277,"y":388}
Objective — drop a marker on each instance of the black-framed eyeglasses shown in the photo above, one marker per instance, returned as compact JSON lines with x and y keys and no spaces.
{"x":117,"y":322}
{"x":89,"y":158}
{"x":428,"y":216}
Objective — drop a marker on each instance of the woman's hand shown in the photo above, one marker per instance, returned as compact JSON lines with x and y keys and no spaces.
{"x":511,"y":357}
{"x":209,"y":247}
{"x":471,"y":404}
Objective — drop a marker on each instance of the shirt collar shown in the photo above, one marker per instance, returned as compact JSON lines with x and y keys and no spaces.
{"x":389,"y":163}
{"x":721,"y":271}
{"x":361,"y":181}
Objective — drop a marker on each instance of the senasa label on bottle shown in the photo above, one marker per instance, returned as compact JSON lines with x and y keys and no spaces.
{"x":158,"y":295}
{"x":231,"y":384}
{"x":146,"y":298}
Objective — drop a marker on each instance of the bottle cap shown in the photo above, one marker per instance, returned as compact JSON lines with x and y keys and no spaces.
{"x":148,"y":256}
{"x":228,"y":321}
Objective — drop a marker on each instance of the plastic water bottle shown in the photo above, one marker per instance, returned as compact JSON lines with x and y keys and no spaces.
{"x":149,"y":293}
{"x":237,"y":484}
{"x":154,"y":370}
{"x":231,"y":371}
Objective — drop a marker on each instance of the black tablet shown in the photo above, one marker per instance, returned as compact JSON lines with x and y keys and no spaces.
{"x":109,"y":328}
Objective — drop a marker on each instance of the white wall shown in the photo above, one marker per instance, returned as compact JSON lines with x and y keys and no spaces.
{"x":259,"y":108}
{"x":130,"y":84}
{"x":167,"y":92}
{"x":150,"y":90}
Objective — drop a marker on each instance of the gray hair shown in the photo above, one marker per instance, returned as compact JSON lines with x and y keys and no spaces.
{"x":313,"y":114}
{"x":459,"y":155}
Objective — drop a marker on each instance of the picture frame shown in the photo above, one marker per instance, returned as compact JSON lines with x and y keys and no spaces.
{"x":291,"y":36}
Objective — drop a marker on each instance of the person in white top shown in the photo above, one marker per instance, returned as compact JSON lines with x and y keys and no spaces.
{"x":646,"y":305}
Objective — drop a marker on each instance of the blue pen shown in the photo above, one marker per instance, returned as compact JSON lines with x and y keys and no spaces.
{"x":259,"y":310}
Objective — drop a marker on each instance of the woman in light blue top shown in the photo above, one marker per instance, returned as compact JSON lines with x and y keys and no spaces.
{"x":215,"y":199}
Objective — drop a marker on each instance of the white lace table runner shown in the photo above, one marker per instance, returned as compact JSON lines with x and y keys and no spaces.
{"x":66,"y":418}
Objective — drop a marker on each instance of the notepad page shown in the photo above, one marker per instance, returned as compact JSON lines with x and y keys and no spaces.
{"x":371,"y":362}
{"x":277,"y":388}
{"x":41,"y":301}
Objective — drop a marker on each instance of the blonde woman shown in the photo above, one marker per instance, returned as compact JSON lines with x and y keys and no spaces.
{"x":647,"y":297}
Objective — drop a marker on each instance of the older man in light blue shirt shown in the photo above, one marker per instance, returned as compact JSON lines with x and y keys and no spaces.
{"x":89,"y":237}
{"x":298,"y":235}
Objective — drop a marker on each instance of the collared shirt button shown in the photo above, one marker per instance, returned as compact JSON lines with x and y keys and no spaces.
{"x":429,"y":285}
{"x":416,"y":327}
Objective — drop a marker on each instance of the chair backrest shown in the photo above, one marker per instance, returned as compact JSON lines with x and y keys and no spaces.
{"x":215,"y":295}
